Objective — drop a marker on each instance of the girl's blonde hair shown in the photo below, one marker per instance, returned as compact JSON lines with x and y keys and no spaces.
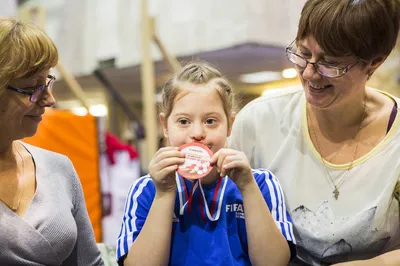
{"x":198,"y":72}
{"x":25,"y":50}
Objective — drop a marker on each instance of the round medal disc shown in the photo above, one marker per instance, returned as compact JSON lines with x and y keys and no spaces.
{"x":197,"y":161}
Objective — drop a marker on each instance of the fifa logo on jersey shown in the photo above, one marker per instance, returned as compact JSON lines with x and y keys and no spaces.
{"x":238,"y":208}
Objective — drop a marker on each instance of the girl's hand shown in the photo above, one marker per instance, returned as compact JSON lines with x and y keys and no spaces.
{"x":162,"y":169}
{"x":234,"y":164}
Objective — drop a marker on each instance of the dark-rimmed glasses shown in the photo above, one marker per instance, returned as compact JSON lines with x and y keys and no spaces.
{"x":323,"y":69}
{"x":35,"y":91}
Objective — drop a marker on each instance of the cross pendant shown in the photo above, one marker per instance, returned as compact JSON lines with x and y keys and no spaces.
{"x":336,"y":193}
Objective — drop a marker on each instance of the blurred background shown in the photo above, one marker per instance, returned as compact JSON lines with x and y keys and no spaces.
{"x":116,"y":55}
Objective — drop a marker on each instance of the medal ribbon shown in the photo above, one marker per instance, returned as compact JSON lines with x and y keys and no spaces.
{"x":185,"y":199}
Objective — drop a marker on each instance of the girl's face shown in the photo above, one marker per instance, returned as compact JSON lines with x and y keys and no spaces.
{"x":197,"y":115}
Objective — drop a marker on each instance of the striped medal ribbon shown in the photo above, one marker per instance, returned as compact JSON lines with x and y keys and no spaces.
{"x":186,"y":198}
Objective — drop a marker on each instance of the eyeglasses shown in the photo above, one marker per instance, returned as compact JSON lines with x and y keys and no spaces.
{"x":325,"y":70}
{"x":35,"y":91}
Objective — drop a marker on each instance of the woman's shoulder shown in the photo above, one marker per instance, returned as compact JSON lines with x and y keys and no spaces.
{"x":41,"y":155}
{"x":273,"y":102}
{"x":276,"y":97}
{"x":52,"y":165}
{"x":55,"y":168}
{"x":273,"y":108}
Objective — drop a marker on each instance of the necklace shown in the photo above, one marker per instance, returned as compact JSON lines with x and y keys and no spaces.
{"x":14,"y":208}
{"x":342,"y":179}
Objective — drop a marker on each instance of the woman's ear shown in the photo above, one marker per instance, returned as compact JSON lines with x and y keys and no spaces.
{"x":232,"y":119}
{"x":374,"y":64}
{"x":163,"y":122}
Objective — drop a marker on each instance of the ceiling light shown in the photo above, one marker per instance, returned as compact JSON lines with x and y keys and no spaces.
{"x":289,"y":73}
{"x":80,"y":111}
{"x":260,"y":77}
{"x":98,"y":110}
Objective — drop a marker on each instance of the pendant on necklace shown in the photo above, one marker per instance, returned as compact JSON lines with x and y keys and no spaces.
{"x":336,"y":193}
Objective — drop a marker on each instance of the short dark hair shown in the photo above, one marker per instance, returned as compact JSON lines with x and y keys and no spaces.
{"x":367,"y":29}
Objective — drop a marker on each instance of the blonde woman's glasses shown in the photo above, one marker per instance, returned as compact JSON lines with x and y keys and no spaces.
{"x":35,"y":91}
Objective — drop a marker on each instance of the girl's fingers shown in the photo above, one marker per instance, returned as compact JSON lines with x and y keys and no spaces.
{"x":166,"y":154}
{"x":168,"y":162}
{"x":234,"y":162}
{"x":165,"y":172}
{"x":226,"y":160}
{"x":165,"y":149}
{"x":233,"y":165}
{"x":214,"y":158}
{"x":222,"y":157}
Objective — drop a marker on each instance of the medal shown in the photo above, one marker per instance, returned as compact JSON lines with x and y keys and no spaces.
{"x":197,"y":161}
{"x":196,"y":166}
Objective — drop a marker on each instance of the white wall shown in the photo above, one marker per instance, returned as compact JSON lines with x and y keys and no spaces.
{"x":91,"y":30}
{"x":8,"y":8}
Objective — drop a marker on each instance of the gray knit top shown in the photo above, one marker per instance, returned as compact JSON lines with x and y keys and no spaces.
{"x":56,"y":229}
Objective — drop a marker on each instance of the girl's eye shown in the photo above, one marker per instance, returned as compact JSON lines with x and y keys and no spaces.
{"x":183,"y":121}
{"x":211,"y":121}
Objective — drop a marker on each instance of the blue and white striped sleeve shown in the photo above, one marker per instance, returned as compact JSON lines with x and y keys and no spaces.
{"x":137,"y":207}
{"x":273,"y":195}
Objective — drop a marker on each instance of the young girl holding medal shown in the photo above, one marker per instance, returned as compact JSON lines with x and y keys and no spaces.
{"x":200,"y":208}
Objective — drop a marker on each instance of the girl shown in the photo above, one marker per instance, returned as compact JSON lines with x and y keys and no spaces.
{"x":159,"y":229}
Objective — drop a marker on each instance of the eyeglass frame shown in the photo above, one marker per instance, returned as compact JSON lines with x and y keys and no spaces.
{"x":31,"y":93}
{"x":315,"y":64}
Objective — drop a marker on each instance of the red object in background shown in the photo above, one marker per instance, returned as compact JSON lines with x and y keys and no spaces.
{"x":113,"y":144}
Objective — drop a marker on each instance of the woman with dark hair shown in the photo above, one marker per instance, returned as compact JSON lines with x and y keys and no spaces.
{"x":334,"y":143}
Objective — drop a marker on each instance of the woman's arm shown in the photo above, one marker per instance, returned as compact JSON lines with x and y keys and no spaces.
{"x":86,"y":251}
{"x":388,"y":259}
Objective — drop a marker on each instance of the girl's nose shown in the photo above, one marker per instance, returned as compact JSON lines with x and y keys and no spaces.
{"x":198,"y":133}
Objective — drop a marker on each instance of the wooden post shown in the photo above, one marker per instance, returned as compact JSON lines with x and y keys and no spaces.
{"x":171,"y":60}
{"x":38,"y":16}
{"x":73,"y":85}
{"x":148,"y":86}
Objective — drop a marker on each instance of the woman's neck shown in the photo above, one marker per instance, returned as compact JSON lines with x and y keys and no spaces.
{"x":6,"y":150}
{"x":338,"y":121}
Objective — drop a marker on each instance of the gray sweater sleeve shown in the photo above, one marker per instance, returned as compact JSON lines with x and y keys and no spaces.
{"x":85,"y":252}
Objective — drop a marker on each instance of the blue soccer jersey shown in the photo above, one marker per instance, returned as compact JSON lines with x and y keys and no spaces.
{"x":196,"y":239}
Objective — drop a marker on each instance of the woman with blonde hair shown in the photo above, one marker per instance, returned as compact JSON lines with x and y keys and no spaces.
{"x":333,"y":142}
{"x":43,"y":216}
